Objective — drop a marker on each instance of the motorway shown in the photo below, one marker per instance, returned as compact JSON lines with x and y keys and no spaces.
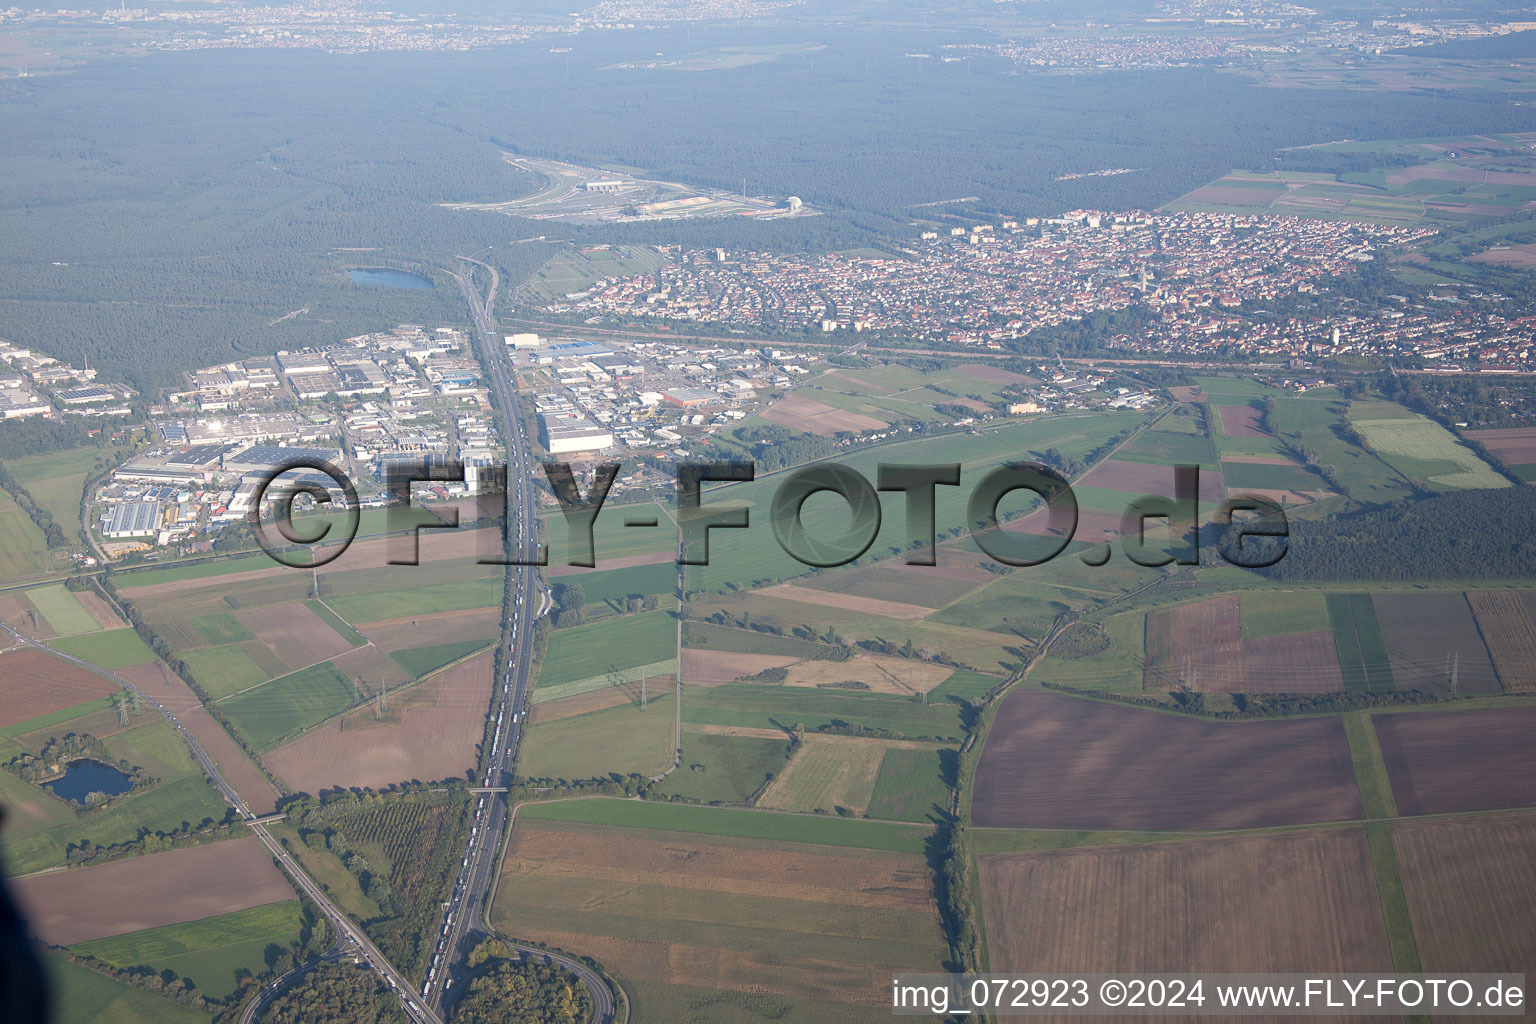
{"x":467,"y":913}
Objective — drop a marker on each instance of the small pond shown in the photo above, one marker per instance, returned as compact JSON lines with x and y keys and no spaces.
{"x":84,"y":777}
{"x":384,"y":277}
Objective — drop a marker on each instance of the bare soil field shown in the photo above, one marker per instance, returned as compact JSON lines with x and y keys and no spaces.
{"x":598,"y":700}
{"x":17,"y":612}
{"x":1295,"y":663}
{"x":993,"y":374}
{"x":430,"y":735}
{"x":802,"y":413}
{"x":879,"y":675}
{"x":391,"y":635}
{"x":850,"y":602}
{"x":298,"y":635}
{"x":36,"y":684}
{"x":371,"y":669}
{"x":710,"y":668}
{"x":930,"y":586}
{"x":1302,"y":901}
{"x":1241,"y":421}
{"x":1446,"y":761}
{"x":1092,"y":527}
{"x":1197,"y":645}
{"x":1516,"y":445}
{"x":743,"y":731}
{"x":1147,"y":478}
{"x":1188,"y":393}
{"x":65,"y":907}
{"x":159,"y":683}
{"x":1429,"y":634}
{"x":99,"y":610}
{"x":747,"y":916}
{"x":605,"y":564}
{"x":1471,"y":891}
{"x":1507,"y":623}
{"x":1052,"y":761}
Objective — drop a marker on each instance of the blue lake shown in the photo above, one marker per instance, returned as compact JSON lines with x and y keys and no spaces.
{"x":384,"y":277}
{"x":84,"y":777}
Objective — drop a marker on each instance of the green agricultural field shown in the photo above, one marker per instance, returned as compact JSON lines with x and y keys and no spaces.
{"x":611,"y":539}
{"x":1118,"y":669}
{"x":574,"y":270}
{"x":1357,"y":636}
{"x":111,"y":649}
{"x":1169,"y":448}
{"x":619,"y":740}
{"x":279,"y":710}
{"x":964,"y":686}
{"x":397,"y":604}
{"x":911,"y":785}
{"x":333,"y":620}
{"x":1261,"y":476}
{"x":1280,"y":612}
{"x":56,"y":717}
{"x":209,"y":951}
{"x":155,"y":746}
{"x":1314,"y":424}
{"x":85,"y":997}
{"x":735,"y":823}
{"x":725,"y":768}
{"x":23,"y":548}
{"x":56,"y":480}
{"x":776,"y":707}
{"x":687,"y":1004}
{"x":181,"y":573}
{"x":63,"y":612}
{"x":223,"y":670}
{"x":1422,"y":449}
{"x":584,"y":652}
{"x":418,"y":661}
{"x":221,"y":628}
{"x":164,"y":808}
{"x":709,"y":637}
{"x":743,"y":556}
{"x":616,"y":585}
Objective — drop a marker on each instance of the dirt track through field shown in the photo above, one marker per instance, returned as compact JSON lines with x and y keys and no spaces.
{"x":65,"y":907}
{"x":159,"y":683}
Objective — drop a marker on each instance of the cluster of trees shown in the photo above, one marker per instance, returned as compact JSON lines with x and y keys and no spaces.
{"x":505,"y":986}
{"x":1260,"y":705}
{"x":1486,"y":534}
{"x":777,"y":447}
{"x":955,"y":883}
{"x":336,"y":992}
{"x":72,"y":746}
{"x":85,"y":851}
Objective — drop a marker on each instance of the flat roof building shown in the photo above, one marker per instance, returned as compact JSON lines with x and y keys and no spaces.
{"x":134,"y":519}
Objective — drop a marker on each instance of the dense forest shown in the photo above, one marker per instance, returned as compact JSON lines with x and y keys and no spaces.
{"x":1462,"y":535}
{"x":168,"y":211}
{"x":336,"y":992}
{"x":504,"y":988}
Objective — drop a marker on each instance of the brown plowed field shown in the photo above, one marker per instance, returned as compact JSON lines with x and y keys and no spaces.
{"x":371,"y":669}
{"x":431,"y":735}
{"x":881,"y":675}
{"x":1471,"y":892}
{"x":1303,"y":901}
{"x":1424,"y":633}
{"x":99,"y":610}
{"x":1197,"y":645}
{"x":1146,"y":478}
{"x":1507,"y":623}
{"x":160,"y":684}
{"x":298,"y":635}
{"x":391,"y":635}
{"x":65,"y":907}
{"x":592,"y":700}
{"x":1241,"y":421}
{"x":710,"y":668}
{"x":851,"y":602}
{"x":746,"y":916}
{"x":1446,"y":761}
{"x":1514,"y":446}
{"x":1188,"y":393}
{"x":35,"y":684}
{"x":605,"y":564}
{"x":1092,"y":527}
{"x":1052,"y":761}
{"x":17,"y":612}
{"x":1297,"y":663}
{"x":993,"y":374}
{"x":815,"y":417}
